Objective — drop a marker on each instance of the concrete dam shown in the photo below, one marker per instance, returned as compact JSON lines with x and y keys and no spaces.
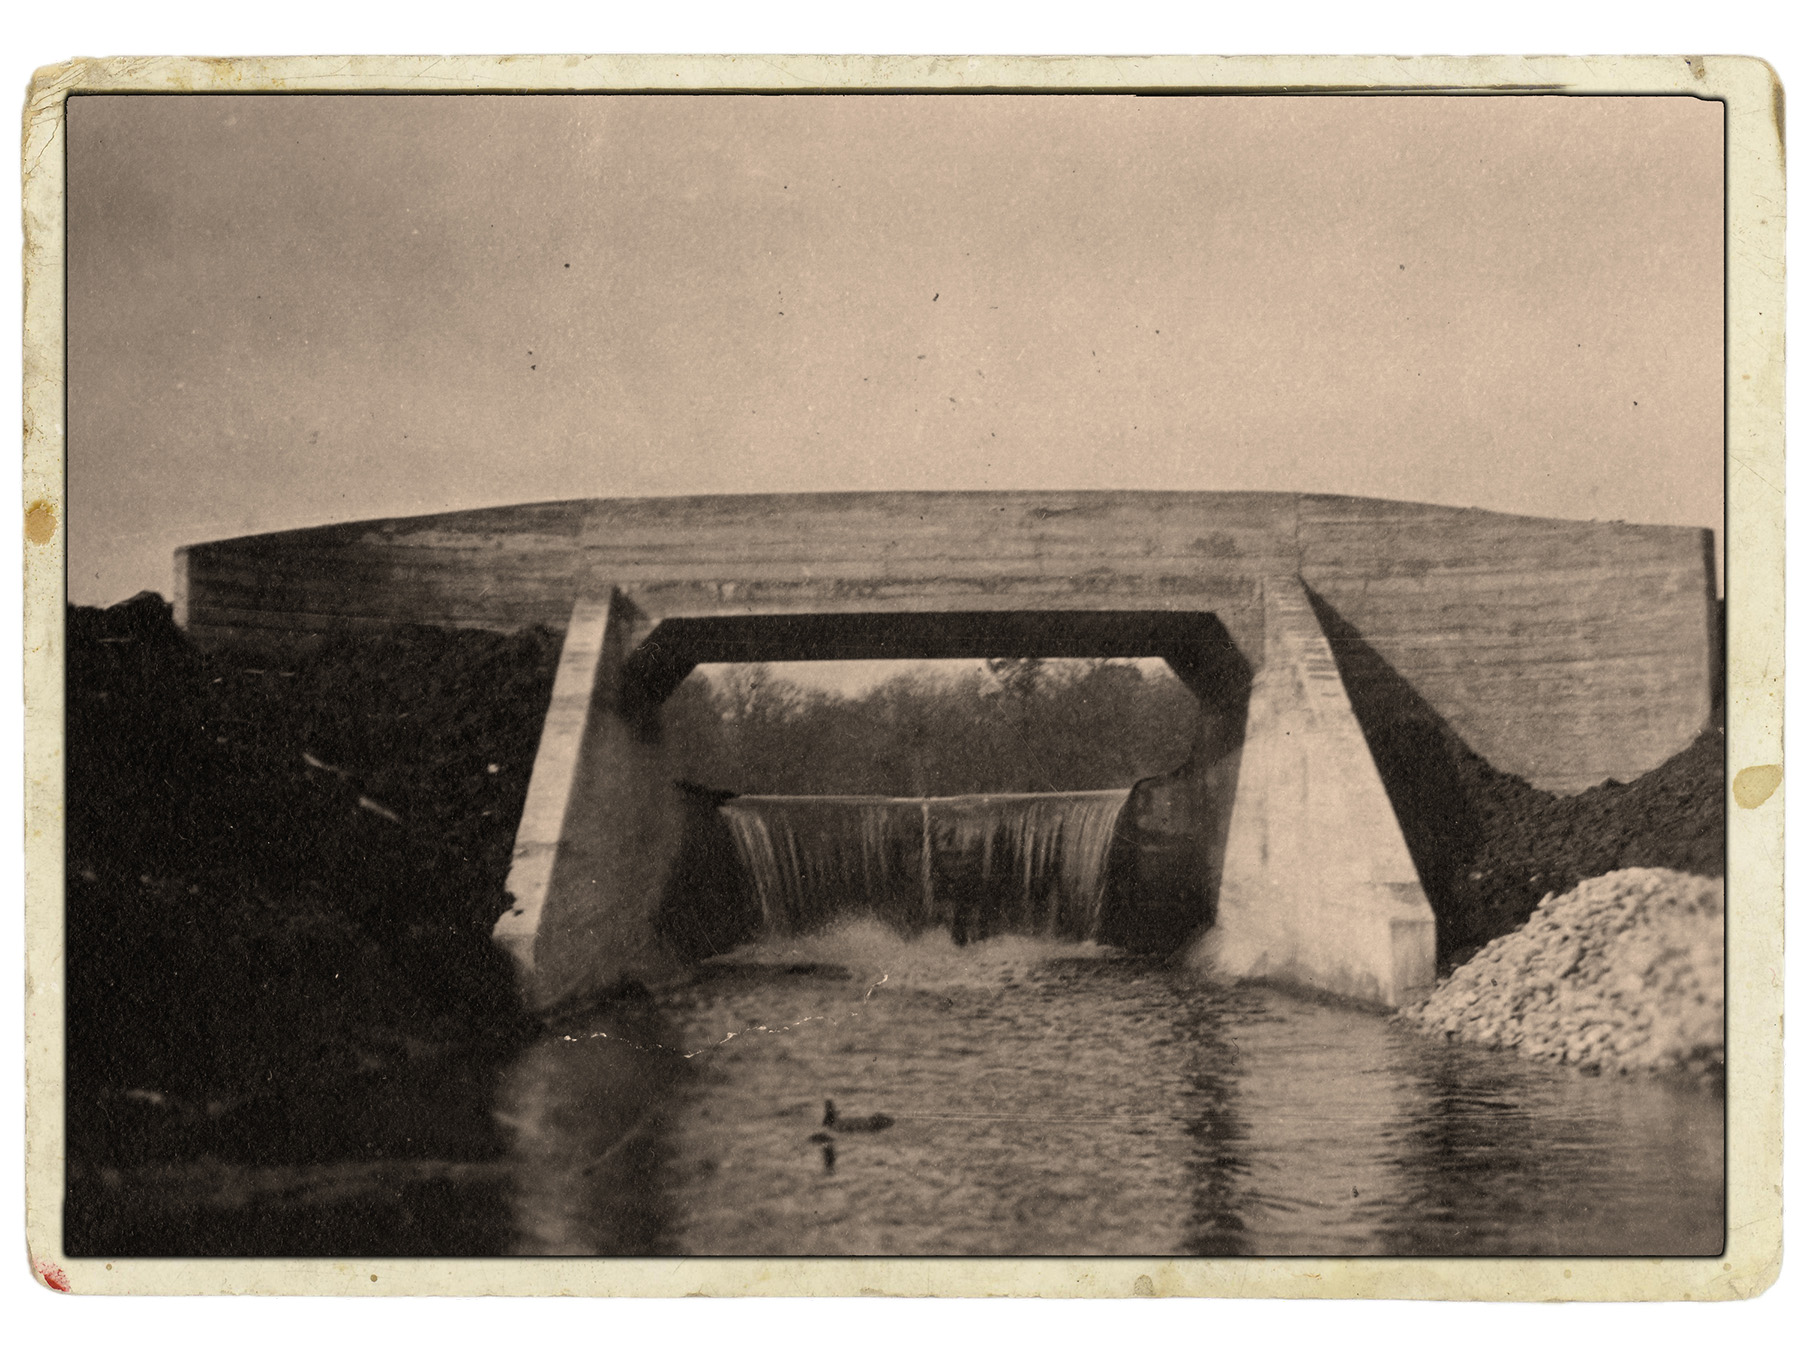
{"x":1307,"y":627}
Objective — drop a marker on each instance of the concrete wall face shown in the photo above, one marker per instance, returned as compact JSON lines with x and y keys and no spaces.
{"x":1170,"y":851}
{"x":1564,"y":652}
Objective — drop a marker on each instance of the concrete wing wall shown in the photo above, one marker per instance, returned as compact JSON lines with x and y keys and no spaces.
{"x":1563,"y":652}
{"x":498,"y":569}
{"x":1317,"y":887}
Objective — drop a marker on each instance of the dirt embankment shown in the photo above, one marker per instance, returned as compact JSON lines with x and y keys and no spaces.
{"x":281,"y":882}
{"x":1625,"y":973}
{"x":1489,"y":846}
{"x":1586,"y":929}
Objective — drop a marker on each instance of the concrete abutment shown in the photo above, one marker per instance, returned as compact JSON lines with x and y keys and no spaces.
{"x":1297,"y":843}
{"x":601,"y":825}
{"x":1317,"y":888}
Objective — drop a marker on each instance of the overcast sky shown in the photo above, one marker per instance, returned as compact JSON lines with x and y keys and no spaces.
{"x":285,"y":311}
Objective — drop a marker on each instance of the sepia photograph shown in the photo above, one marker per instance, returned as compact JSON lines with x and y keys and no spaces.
{"x":913,"y":673}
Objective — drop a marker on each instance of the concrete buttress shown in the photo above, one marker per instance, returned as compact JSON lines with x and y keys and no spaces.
{"x":600,"y":828}
{"x":1318,"y":888}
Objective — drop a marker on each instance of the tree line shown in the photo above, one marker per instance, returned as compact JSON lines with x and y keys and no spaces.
{"x":1007,"y":725}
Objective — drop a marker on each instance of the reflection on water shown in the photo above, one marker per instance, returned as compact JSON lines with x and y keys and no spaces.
{"x":1048,"y":1097}
{"x":1053,"y":1098}
{"x":589,"y":1113}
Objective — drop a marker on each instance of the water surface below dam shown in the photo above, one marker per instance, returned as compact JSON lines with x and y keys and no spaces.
{"x":1048,"y":1097}
{"x":1051,"y":1098}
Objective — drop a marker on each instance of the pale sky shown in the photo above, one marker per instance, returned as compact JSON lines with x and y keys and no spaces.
{"x":286,"y":311}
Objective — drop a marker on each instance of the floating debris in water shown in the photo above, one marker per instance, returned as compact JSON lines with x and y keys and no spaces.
{"x":855,"y":1124}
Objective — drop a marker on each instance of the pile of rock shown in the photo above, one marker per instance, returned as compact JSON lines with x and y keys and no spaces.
{"x":1624,"y":972}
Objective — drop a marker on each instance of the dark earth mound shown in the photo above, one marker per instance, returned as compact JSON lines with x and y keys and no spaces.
{"x":1490,"y":847}
{"x":281,"y":884}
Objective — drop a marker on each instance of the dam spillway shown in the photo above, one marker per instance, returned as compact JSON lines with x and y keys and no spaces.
{"x":976,"y":865}
{"x":1310,"y":628}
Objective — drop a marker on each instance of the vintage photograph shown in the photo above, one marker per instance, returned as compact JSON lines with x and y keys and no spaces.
{"x":919,"y":675}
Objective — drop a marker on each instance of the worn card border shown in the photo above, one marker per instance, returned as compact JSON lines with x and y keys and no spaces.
{"x":1755,"y":533}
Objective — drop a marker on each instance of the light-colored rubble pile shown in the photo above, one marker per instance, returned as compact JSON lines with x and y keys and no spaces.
{"x":1624,"y":972}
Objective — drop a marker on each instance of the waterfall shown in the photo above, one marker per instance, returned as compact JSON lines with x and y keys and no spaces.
{"x":977,"y":864}
{"x":1025,"y":863}
{"x":811,"y":856}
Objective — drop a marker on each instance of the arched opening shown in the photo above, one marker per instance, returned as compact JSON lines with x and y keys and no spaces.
{"x":1084,"y":797}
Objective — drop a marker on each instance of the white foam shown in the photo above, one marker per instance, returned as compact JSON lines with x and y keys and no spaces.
{"x":878,"y":955}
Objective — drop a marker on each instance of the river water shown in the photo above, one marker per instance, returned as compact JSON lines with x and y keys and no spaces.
{"x":1048,"y":1097}
{"x":1054,"y":1098}
{"x":940,"y":963}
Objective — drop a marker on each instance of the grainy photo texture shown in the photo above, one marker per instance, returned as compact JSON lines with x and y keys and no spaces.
{"x":896,"y":675}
